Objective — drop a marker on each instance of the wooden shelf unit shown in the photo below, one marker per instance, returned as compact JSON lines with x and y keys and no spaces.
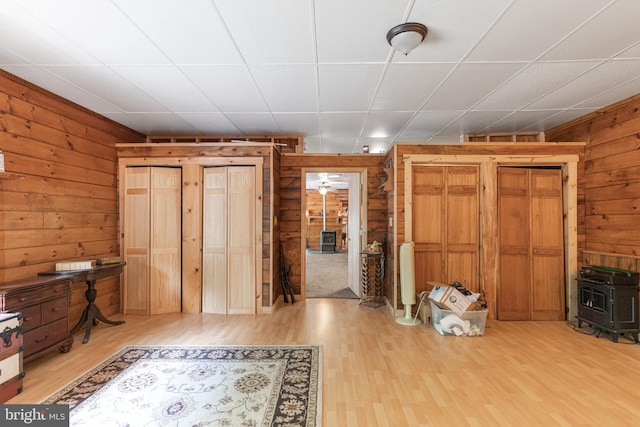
{"x":503,"y":137}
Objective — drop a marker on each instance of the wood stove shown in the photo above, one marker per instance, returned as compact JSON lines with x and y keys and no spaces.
{"x":327,"y":241}
{"x":608,"y":300}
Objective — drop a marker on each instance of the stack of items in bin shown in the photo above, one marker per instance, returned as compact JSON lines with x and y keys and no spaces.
{"x":455,"y":310}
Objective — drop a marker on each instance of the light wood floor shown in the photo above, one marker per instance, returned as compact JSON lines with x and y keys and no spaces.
{"x":379,"y":373}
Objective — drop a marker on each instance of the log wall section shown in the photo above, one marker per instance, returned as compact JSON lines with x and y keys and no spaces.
{"x":609,"y":183}
{"x":62,"y":202}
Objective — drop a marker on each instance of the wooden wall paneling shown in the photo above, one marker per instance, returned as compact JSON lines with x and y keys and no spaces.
{"x":67,"y":201}
{"x":488,"y":257}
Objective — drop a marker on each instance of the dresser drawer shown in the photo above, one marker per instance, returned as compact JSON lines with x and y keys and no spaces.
{"x":45,"y":336}
{"x":28,"y":297}
{"x":54,"y":310}
{"x":31,"y":317}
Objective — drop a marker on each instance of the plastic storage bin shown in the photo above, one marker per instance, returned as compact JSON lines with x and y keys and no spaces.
{"x":446,"y":322}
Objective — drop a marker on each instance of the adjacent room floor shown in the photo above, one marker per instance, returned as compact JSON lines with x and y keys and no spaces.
{"x":327,"y":274}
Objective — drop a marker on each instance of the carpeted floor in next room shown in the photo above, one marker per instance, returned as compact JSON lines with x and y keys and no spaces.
{"x":327,"y":275}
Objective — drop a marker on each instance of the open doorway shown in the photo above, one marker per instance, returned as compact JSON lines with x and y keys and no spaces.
{"x":332,"y":234}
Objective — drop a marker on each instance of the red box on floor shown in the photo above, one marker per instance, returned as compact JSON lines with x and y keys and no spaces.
{"x":11,"y":372}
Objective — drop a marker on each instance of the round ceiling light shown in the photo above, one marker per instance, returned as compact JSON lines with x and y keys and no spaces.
{"x":406,"y":37}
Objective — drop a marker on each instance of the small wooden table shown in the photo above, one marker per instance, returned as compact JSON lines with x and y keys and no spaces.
{"x":91,"y":313}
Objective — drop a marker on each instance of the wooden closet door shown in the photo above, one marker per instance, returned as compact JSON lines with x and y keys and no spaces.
{"x":214,"y":266}
{"x":513,"y":209}
{"x":229,"y":267}
{"x":152,"y":240}
{"x":462,"y":226}
{"x":445,"y":224}
{"x":241,"y":240}
{"x":547,"y":245}
{"x":135,"y":293}
{"x":165,"y":240}
{"x":428,"y":224}
{"x":531,"y":244}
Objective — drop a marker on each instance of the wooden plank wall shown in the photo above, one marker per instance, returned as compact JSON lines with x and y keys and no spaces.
{"x":66,"y":206}
{"x":291,"y":210}
{"x":609,"y":181}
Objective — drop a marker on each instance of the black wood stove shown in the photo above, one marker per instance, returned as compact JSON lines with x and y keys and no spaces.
{"x":327,"y":241}
{"x":608,"y":300}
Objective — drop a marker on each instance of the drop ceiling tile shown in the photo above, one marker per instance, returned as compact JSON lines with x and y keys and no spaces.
{"x":612,"y":30}
{"x":209,"y":123}
{"x":104,"y":83}
{"x":385,"y":124}
{"x":613,"y":95}
{"x":532,"y":83}
{"x":230,"y":87}
{"x":454,"y":27}
{"x":557,"y":119}
{"x":475,"y":121}
{"x":530,"y":27}
{"x":254,"y":123}
{"x":343,"y":145}
{"x":405,"y":87}
{"x":99,"y":28}
{"x":355,"y":31}
{"x":426,"y":124}
{"x":287,"y":88}
{"x":154,"y":124}
{"x":312,"y":144}
{"x":340,"y":125}
{"x":187,"y":31}
{"x":457,"y":94}
{"x":589,"y":85}
{"x":519,"y":120}
{"x":179,"y":95}
{"x":307,"y":124}
{"x":30,"y":40}
{"x":632,"y":53}
{"x":347,"y":87}
{"x":266,"y":35}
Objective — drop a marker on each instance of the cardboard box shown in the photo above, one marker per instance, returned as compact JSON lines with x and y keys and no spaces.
{"x":449,"y":298}
{"x":446,"y":322}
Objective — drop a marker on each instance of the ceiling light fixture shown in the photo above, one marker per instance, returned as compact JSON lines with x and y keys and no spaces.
{"x":406,"y":37}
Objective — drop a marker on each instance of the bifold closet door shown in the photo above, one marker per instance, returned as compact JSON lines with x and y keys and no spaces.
{"x":445,"y":224}
{"x":229,"y":241}
{"x":531,"y":256}
{"x":152,"y":240}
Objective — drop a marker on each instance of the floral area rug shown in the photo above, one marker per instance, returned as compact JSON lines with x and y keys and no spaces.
{"x":199,"y":386}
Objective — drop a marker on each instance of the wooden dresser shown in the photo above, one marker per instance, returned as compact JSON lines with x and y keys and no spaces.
{"x":44,"y":304}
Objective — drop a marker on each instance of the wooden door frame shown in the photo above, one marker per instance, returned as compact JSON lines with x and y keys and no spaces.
{"x":192,"y":219}
{"x":303,"y":203}
{"x":488,"y":167}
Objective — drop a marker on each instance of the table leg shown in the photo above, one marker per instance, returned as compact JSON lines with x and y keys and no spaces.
{"x":92,"y":313}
